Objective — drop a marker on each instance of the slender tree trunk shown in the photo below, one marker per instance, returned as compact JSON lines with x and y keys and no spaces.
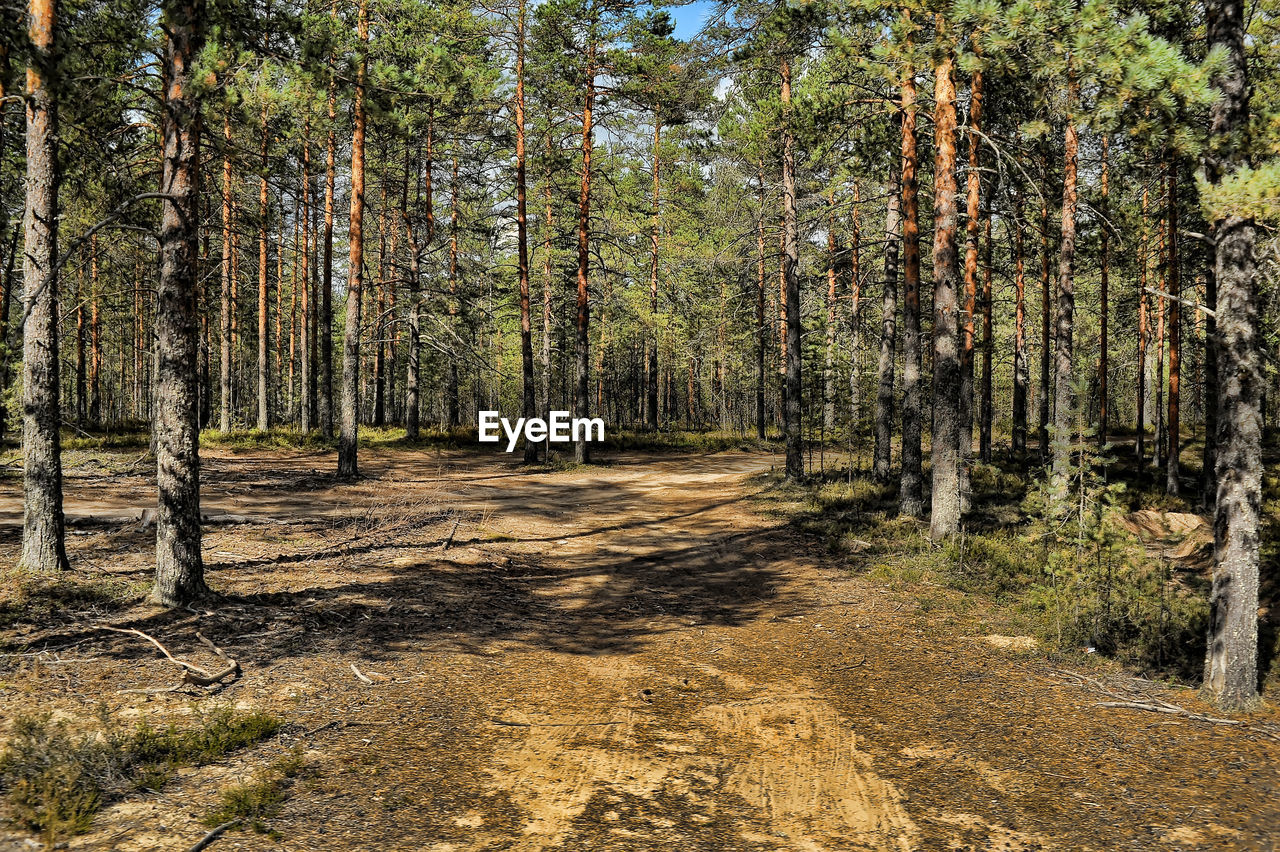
{"x":379,"y":314}
{"x":1104,"y":308}
{"x":911,"y":489}
{"x":1172,"y":471}
{"x":1021,"y":367}
{"x":224,"y":371}
{"x":582,"y":402}
{"x":655,"y":235}
{"x":529,"y":399}
{"x":985,"y":407}
{"x":1231,"y":663}
{"x":82,"y":377}
{"x":306,"y":375}
{"x":1046,"y":336}
{"x":179,"y":568}
{"x":829,"y":352}
{"x":1140,"y":450}
{"x":969,"y":310}
{"x":455,"y":416}
{"x":855,"y":315}
{"x":264,"y":372}
{"x":762,"y":329}
{"x":43,"y":543}
{"x":1065,"y":320}
{"x":1158,"y":458}
{"x":548,"y":227}
{"x":888,"y":334}
{"x":326,"y":285}
{"x":347,"y":467}
{"x":944,"y":519}
{"x":791,"y":274}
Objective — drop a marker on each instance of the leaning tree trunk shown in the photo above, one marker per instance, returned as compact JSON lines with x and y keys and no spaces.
{"x":1064,"y":323}
{"x":791,"y":276}
{"x":355,"y":271}
{"x":1231,"y":663}
{"x":883,"y":457}
{"x":43,"y":544}
{"x":582,"y":401}
{"x":179,"y":569}
{"x":911,"y":488}
{"x":528,"y":392}
{"x":944,"y":519}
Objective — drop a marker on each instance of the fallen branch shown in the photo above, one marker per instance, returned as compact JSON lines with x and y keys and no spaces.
{"x":1157,"y":706}
{"x":191,"y":673}
{"x":361,"y":675}
{"x":449,"y":539}
{"x":203,"y":842}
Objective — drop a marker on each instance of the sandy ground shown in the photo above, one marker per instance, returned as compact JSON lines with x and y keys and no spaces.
{"x":629,"y":657}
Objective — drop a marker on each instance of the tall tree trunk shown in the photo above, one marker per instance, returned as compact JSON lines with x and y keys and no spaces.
{"x":969,"y":310}
{"x":264,"y":371}
{"x":548,"y":227}
{"x":1172,"y":486}
{"x":829,"y":352}
{"x":1104,"y":308}
{"x":1021,"y":367}
{"x":529,"y":407}
{"x":306,"y":375}
{"x":944,"y":519}
{"x":379,"y":314}
{"x":326,"y":285}
{"x":888,"y":333}
{"x":1140,"y":450}
{"x":985,"y":407}
{"x":43,"y":544}
{"x":1046,"y":300}
{"x":1231,"y":663}
{"x":179,"y":568}
{"x":82,"y":376}
{"x":911,"y":489}
{"x":855,"y":314}
{"x":347,"y":467}
{"x":455,"y":416}
{"x":1064,"y":322}
{"x":1158,"y":458}
{"x":655,"y":234}
{"x":582,"y":402}
{"x":762,"y":329}
{"x":791,"y":275}
{"x":224,"y":371}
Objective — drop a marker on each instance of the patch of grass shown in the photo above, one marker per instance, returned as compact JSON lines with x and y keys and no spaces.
{"x":35,"y":597}
{"x":709,"y":441}
{"x":54,"y":781}
{"x":261,"y":798}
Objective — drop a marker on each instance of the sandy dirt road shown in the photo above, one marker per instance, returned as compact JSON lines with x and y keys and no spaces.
{"x":631,"y":657}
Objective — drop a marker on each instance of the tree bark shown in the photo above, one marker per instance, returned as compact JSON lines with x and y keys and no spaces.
{"x":883,"y":454}
{"x":1172,"y":470}
{"x":528,"y":393}
{"x":1021,"y":367}
{"x":911,"y":488}
{"x":944,"y":519}
{"x":1064,"y":322}
{"x":582,"y":402}
{"x":790,"y":274}
{"x":347,"y":465}
{"x":264,"y":370}
{"x":179,"y":567}
{"x":1231,"y":662}
{"x":43,"y":543}
{"x":969,"y":311}
{"x":1104,"y":308}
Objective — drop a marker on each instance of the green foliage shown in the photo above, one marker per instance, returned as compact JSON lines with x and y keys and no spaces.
{"x":260,"y":799}
{"x":54,"y":781}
